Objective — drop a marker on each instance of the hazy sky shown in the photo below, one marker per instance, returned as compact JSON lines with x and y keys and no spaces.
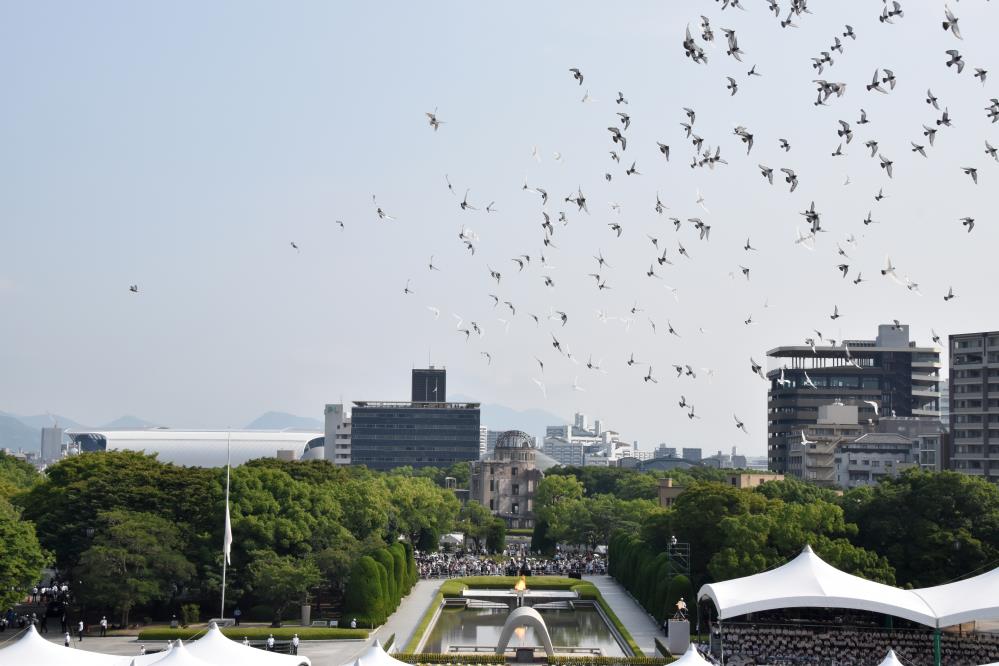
{"x":183,"y":146}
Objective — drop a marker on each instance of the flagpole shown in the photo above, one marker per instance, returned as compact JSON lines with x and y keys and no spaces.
{"x":226,"y":530}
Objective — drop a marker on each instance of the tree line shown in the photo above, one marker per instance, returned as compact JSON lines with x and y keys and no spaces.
{"x":134,"y":534}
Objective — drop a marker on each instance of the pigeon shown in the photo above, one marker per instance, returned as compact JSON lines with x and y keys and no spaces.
{"x":790,"y":177}
{"x":576,"y":74}
{"x":875,"y":83}
{"x":738,"y":424}
{"x":886,"y":164}
{"x":916,"y":148}
{"x":991,"y":151}
{"x":956,"y":60}
{"x":968,"y":222}
{"x":931,"y":99}
{"x":950,"y":22}
{"x":734,"y":87}
{"x":981,"y":74}
{"x":950,"y":294}
{"x":625,"y":119}
{"x":432,"y":119}
{"x":971,"y":171}
{"x":767,"y":172}
{"x":620,"y":98}
{"x":134,"y":288}
{"x":835,"y":315}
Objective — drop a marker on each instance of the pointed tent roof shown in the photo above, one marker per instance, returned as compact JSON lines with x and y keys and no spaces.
{"x":181,"y":656}
{"x":216,"y":648}
{"x":691,"y":658}
{"x":809,"y":582}
{"x":974,"y":598}
{"x":32,"y":649}
{"x":891,"y":659}
{"x":375,"y":655}
{"x":146,"y":659}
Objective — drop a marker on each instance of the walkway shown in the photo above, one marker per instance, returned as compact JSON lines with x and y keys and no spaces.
{"x":634,"y":618}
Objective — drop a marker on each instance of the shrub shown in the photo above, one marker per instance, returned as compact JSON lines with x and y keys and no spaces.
{"x":363,"y":596}
{"x":256,"y":633}
{"x":190,"y":614}
{"x":392,"y":595}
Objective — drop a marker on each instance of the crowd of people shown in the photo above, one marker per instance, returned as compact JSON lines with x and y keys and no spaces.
{"x":747,"y":645}
{"x":514,"y":561}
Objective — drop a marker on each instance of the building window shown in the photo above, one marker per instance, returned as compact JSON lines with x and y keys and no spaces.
{"x":513,"y":472}
{"x":516,"y":489}
{"x":492,"y":505}
{"x":516,"y":508}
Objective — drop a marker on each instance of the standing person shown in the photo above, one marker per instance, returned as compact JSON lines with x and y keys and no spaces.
{"x":270,"y":643}
{"x":294,"y":644}
{"x":353,"y":623}
{"x":142,"y":650}
{"x":104,"y":626}
{"x":62,"y":621}
{"x":236,"y":614}
{"x":65,"y":639}
{"x":246,"y":641}
{"x":79,"y":631}
{"x":43,"y":622}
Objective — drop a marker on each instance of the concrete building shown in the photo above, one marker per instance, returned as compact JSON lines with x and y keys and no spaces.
{"x":51,"y":444}
{"x":563,"y":451}
{"x":506,"y":482}
{"x":813,"y":457}
{"x":974,"y":404}
{"x":663,"y":451}
{"x":868,"y":459}
{"x":931,"y":437}
{"x":483,"y":441}
{"x":581,"y":444}
{"x":891,"y":371}
{"x":337,"y":434}
{"x":429,"y":385}
{"x":386,"y":435}
{"x":669,"y":491}
{"x":693,"y":455}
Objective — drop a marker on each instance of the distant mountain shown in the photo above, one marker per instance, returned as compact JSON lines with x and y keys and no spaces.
{"x":500,"y":417}
{"x":46,"y":420}
{"x":129,"y":421}
{"x":14,"y":434}
{"x":282,"y":420}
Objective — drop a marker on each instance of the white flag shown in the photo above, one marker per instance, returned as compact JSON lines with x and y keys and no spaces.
{"x":227,"y":540}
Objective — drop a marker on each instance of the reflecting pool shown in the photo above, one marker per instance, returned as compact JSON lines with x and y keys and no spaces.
{"x":579,"y":627}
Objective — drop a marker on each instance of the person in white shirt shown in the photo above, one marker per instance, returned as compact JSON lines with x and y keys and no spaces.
{"x":79,"y":630}
{"x":104,"y":625}
{"x":142,"y":650}
{"x":270,"y":643}
{"x":66,"y":639}
{"x":246,"y":641}
{"x":294,"y":644}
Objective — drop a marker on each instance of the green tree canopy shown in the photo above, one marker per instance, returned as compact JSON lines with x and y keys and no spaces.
{"x":21,"y":556}
{"x":133,"y":559}
{"x":281,"y":580}
{"x":16,"y":476}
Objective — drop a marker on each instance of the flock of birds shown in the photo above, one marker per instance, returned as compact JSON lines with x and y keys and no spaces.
{"x":679,"y":238}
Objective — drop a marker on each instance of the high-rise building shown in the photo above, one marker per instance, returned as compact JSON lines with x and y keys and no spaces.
{"x":429,"y":385}
{"x":974,"y":404}
{"x":337,"y":435}
{"x":483,"y":441}
{"x":385,"y":435}
{"x":901,"y":378}
{"x":51,"y":444}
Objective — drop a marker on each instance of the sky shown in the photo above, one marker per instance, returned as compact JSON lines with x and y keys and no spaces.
{"x":184,"y":146}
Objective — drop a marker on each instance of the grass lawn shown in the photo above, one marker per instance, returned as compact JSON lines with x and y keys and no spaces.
{"x":255,"y":633}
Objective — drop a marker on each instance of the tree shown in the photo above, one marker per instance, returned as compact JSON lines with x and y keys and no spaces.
{"x":281,"y":580}
{"x":16,"y":476}
{"x":134,"y":558}
{"x":420,"y":505}
{"x":474,"y":520}
{"x":637,"y":485}
{"x":931,"y":527}
{"x":496,"y":536}
{"x":21,"y":556}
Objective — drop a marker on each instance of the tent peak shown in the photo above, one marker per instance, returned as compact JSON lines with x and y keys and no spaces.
{"x":808,"y":549}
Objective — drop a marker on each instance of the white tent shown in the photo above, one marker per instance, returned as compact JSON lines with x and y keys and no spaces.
{"x":181,"y":656}
{"x":691,"y":658}
{"x":376,"y":655}
{"x":965,"y":600}
{"x":215,"y":648}
{"x":891,"y":659}
{"x":809,"y":582}
{"x":32,"y":649}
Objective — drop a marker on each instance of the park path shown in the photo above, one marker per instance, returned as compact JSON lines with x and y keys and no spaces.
{"x":641,"y":625}
{"x":404,"y":620}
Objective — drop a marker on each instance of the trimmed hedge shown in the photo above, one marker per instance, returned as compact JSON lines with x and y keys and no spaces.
{"x":437,"y":658}
{"x":256,"y":633}
{"x":580,"y":660}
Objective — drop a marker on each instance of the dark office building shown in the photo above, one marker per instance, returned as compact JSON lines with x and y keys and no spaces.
{"x":385,"y":435}
{"x":429,"y":384}
{"x":974,"y":404}
{"x":893,"y":372}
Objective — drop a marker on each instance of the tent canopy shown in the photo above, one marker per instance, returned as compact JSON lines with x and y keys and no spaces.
{"x":214,"y":647}
{"x":376,"y":655}
{"x":32,"y":649}
{"x":691,"y":658}
{"x":891,"y":659}
{"x":809,"y":582}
